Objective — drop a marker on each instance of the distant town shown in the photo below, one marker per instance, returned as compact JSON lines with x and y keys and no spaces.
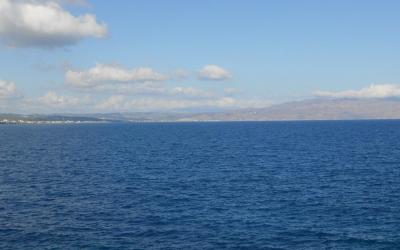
{"x":6,"y":121}
{"x":47,"y":119}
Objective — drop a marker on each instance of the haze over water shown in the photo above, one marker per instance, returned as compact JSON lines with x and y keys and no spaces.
{"x":247,"y":185}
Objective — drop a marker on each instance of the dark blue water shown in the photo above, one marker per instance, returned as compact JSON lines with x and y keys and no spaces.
{"x":277,"y":185}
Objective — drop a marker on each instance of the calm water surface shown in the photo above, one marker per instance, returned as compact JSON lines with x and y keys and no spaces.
{"x":249,"y":185}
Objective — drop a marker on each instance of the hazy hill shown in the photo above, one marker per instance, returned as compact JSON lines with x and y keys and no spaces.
{"x":315,"y":109}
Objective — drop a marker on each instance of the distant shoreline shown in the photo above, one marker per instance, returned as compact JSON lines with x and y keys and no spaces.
{"x":186,"y":121}
{"x":51,"y":122}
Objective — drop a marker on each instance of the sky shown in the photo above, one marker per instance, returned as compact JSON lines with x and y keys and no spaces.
{"x":77,"y":56}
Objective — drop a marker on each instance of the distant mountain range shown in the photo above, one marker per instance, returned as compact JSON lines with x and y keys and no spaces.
{"x":314,"y":109}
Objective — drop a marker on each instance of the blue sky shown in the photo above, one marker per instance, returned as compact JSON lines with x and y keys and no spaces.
{"x":260,"y":53}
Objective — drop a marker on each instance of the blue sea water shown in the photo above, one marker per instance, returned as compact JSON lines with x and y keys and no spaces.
{"x":245,"y":185}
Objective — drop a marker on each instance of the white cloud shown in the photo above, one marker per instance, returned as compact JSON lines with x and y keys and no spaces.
{"x":144,"y":88}
{"x":82,"y":3}
{"x":155,"y":89}
{"x":103,"y":74}
{"x":119,"y":80}
{"x":44,"y":24}
{"x":372,"y":91}
{"x":112,"y":103}
{"x":52,"y":99}
{"x":214,"y":72}
{"x":191,"y":92}
{"x":7,"y":90}
{"x":122,"y":104}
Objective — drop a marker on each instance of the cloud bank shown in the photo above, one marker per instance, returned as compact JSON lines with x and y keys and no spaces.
{"x":114,"y":88}
{"x":52,"y":99}
{"x":123,"y":103}
{"x":119,"y":80}
{"x":372,"y":91}
{"x":214,"y":73}
{"x":44,"y":24}
{"x":103,"y":74}
{"x":7,"y":90}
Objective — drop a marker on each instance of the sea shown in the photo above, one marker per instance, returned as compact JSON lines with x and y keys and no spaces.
{"x":205,"y":185}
